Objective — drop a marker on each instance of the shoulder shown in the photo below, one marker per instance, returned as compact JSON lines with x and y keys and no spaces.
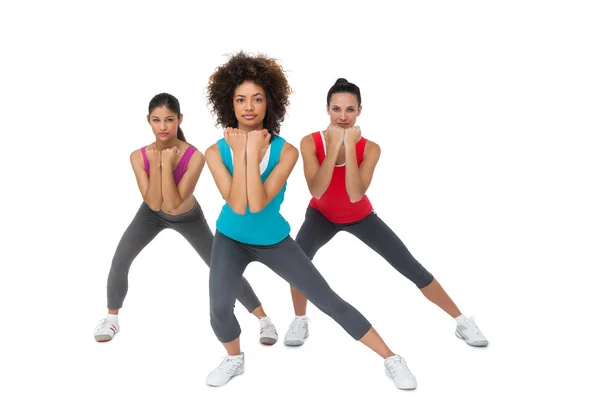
{"x":212,"y":151}
{"x":136,"y":156}
{"x":372,"y":149}
{"x":197,"y":157}
{"x":307,"y":142}
{"x":289,"y":150}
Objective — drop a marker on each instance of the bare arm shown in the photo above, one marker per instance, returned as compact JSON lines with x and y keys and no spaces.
{"x":318,"y":177}
{"x":232,"y":188}
{"x":358,"y":179}
{"x":174,"y":195}
{"x":259,"y":194}
{"x":150,"y":187}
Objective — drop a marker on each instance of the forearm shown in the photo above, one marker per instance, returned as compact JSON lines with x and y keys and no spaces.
{"x":257,"y":196}
{"x":153,"y":196}
{"x":170,"y":194}
{"x":321,"y":180}
{"x":237,"y":198}
{"x":354,"y":184}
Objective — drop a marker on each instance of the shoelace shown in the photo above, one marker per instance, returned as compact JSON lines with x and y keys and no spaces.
{"x":103,"y":323}
{"x":470,"y":323}
{"x":268,"y":329}
{"x":230,"y":364}
{"x":297,"y":323}
{"x":396,"y":366}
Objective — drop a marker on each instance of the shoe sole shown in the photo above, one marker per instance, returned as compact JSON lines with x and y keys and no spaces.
{"x":295,"y":343}
{"x":268,"y":341}
{"x":103,"y":338}
{"x":238,"y":374}
{"x":401,"y":388}
{"x":476,"y":344}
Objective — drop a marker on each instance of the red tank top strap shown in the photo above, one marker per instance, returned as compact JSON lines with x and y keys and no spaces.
{"x":146,"y":164}
{"x":360,"y":150}
{"x":319,"y":146}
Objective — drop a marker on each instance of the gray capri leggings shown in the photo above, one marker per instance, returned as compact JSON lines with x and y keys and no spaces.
{"x":145,"y":226}
{"x":317,"y":230}
{"x":229,"y":260}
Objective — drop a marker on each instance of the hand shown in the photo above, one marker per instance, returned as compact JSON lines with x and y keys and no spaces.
{"x":258,"y":139}
{"x":153,"y":155}
{"x":334,"y":134}
{"x":352,"y":136}
{"x":236,"y":139}
{"x":169,"y":157}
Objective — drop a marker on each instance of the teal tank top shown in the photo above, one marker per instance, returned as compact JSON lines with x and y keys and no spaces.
{"x":266,"y":227}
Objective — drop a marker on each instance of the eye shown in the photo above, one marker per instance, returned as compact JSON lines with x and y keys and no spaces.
{"x":239,"y":100}
{"x":258,"y":100}
{"x":336,"y":109}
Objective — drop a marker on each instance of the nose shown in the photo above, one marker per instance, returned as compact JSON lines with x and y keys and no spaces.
{"x":163,"y":126}
{"x":249,"y":105}
{"x":343,"y":116}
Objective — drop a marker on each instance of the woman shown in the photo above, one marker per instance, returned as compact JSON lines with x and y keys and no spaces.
{"x":338,"y":167}
{"x":250,"y":166}
{"x":167,"y":172}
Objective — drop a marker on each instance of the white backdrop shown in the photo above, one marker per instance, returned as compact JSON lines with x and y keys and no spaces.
{"x":486,"y":114}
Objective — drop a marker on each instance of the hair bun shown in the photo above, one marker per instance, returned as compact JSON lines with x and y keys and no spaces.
{"x":341,"y":80}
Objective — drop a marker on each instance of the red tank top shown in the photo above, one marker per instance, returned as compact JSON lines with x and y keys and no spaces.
{"x":335,"y":203}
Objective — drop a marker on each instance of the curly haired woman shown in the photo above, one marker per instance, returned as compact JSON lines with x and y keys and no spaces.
{"x":250,"y":166}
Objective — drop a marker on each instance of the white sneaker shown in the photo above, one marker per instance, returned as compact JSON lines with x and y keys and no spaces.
{"x":297,"y":332}
{"x":229,"y":367}
{"x":470,"y":333}
{"x":268,"y":333}
{"x":106,"y":330}
{"x":396,"y":368}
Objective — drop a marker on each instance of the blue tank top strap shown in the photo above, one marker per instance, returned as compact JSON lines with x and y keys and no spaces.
{"x":276,"y":148}
{"x":225,"y":151}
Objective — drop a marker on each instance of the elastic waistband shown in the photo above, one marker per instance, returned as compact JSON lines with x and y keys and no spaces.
{"x":193,"y":213}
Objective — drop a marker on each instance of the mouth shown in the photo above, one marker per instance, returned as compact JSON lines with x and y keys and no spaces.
{"x":343,"y":124}
{"x":163,"y":134}
{"x":249,"y":117}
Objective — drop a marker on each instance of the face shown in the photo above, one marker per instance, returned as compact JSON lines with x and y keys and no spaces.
{"x":250,"y":106}
{"x":164,"y":123}
{"x":343,"y":109}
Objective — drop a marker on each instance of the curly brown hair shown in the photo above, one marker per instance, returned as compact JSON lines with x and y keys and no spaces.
{"x":263,"y":71}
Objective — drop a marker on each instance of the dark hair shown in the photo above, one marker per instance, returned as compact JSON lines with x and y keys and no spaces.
{"x":263,"y":71}
{"x":171,"y":102}
{"x":343,"y":86}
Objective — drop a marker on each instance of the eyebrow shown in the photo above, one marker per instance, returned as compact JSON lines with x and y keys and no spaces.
{"x":255,"y":94}
{"x":335,"y":105}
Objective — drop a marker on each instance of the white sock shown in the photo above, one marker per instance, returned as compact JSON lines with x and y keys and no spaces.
{"x":265,"y":319}
{"x":112,"y":317}
{"x":460,"y":319}
{"x":301,"y":316}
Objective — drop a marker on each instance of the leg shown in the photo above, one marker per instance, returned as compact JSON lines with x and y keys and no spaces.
{"x":287,"y":260}
{"x":314,"y":233}
{"x":197,"y":232}
{"x":144,"y":227}
{"x":379,"y":237}
{"x":228,"y":262}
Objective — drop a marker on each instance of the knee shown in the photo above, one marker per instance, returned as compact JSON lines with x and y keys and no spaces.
{"x":220,"y":311}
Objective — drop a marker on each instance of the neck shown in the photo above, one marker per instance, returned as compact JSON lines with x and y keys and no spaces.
{"x":161,"y":145}
{"x":250,"y":128}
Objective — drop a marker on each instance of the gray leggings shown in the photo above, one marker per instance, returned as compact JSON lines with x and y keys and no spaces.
{"x":145,"y":226}
{"x":317,"y":230}
{"x":230,"y":259}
